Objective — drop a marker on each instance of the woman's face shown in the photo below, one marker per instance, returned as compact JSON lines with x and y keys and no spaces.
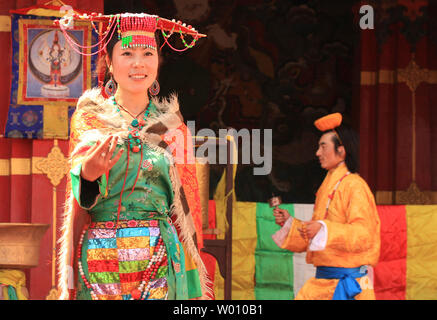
{"x":134,"y":69}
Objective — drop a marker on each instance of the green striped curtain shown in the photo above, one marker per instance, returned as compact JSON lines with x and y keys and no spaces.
{"x":273,"y":265}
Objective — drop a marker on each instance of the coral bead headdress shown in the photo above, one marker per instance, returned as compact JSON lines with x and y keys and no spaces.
{"x":329,"y":122}
{"x":133,"y":29}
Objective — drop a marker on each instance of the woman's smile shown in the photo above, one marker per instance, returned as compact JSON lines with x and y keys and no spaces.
{"x":137,"y":76}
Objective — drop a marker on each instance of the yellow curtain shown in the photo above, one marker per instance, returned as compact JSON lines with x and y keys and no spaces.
{"x":243,"y":240}
{"x":421,"y":252}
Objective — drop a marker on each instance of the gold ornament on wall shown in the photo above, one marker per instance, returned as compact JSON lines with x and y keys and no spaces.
{"x":413,"y":195}
{"x":55,"y":166}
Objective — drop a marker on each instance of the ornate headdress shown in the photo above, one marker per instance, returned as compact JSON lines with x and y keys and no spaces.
{"x":133,"y":29}
{"x":329,"y":122}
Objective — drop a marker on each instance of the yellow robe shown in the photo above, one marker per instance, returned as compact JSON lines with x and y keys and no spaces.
{"x":353,"y":227}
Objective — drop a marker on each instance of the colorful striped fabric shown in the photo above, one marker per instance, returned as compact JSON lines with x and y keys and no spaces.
{"x":302,"y":270}
{"x":390,"y":272}
{"x":118,"y":257}
{"x":255,"y":255}
{"x":407,"y":268}
{"x":268,"y":257}
{"x":421,"y":275}
{"x":243,"y":249}
{"x":408,"y":260}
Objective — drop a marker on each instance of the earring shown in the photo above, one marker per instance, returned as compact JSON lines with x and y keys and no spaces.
{"x":154,"y":88}
{"x":110,"y":87}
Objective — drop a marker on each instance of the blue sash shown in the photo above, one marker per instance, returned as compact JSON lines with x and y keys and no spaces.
{"x":347,"y":288}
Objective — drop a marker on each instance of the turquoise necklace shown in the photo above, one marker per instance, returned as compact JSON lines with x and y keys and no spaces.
{"x":135,"y":126}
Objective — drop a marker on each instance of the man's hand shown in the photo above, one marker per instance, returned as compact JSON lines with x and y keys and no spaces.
{"x":310,"y":229}
{"x":281,"y":215}
{"x":98,"y":159}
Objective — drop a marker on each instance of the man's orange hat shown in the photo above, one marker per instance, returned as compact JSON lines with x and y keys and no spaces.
{"x":329,"y":122}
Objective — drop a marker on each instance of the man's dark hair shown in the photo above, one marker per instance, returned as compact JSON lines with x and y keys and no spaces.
{"x":350,"y":141}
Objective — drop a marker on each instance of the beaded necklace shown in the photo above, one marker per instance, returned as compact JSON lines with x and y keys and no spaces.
{"x":134,"y":145}
{"x":149,"y":273}
{"x":135,"y":127}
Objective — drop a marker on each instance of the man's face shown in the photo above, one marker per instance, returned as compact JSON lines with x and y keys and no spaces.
{"x":328,"y":158}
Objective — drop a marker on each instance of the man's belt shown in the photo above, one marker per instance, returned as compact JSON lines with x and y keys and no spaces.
{"x":347,"y":288}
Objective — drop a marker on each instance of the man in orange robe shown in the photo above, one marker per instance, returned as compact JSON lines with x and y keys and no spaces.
{"x":342,"y":239}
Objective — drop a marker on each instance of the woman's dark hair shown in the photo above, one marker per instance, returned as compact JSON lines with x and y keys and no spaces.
{"x":101,"y":64}
{"x":350,"y":141}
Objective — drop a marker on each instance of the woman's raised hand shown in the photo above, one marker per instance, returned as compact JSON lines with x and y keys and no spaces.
{"x":98,"y":159}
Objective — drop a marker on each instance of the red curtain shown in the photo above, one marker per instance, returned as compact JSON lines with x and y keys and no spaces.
{"x":398,"y":94}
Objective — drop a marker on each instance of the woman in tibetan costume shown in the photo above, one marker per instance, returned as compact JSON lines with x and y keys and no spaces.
{"x":128,"y":230}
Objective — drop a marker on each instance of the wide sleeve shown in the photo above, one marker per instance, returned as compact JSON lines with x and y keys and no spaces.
{"x":361,"y":230}
{"x":186,"y":168}
{"x":289,"y":237}
{"x":183,"y":153}
{"x":75,"y":217}
{"x":188,"y":175}
{"x":85,"y":192}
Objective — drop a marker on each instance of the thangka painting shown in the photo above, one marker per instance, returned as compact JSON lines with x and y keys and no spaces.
{"x":48,"y":76}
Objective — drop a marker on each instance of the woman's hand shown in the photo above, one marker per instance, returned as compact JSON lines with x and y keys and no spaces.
{"x":281,"y":215}
{"x":98,"y":159}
